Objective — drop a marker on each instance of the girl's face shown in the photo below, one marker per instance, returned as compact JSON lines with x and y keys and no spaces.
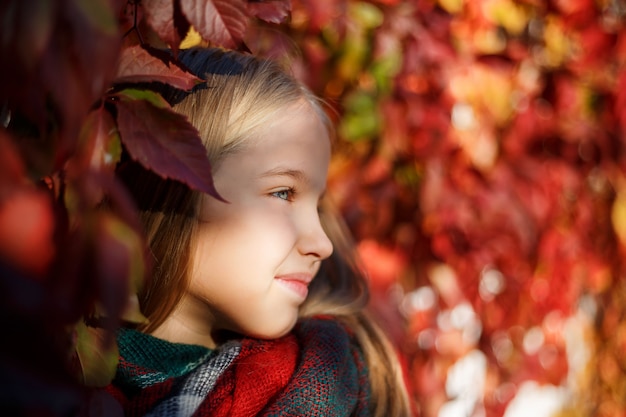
{"x":255,"y":255}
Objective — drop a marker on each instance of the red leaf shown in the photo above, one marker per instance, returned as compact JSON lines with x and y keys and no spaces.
{"x":26,"y":32}
{"x":165,"y":142}
{"x":273,"y":11}
{"x":128,"y":14}
{"x":222,"y":22}
{"x":101,"y":141}
{"x":144,"y":64}
{"x":181,"y":24}
{"x":26,"y":229}
{"x":76,"y":80}
{"x":119,"y":262}
{"x":383,"y":265}
{"x":164,"y":16}
{"x":120,"y":202}
{"x":27,"y":28}
{"x":11,"y":165}
{"x":159,"y":15}
{"x":321,"y":13}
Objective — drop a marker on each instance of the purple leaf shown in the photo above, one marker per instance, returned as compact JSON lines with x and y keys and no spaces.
{"x":222,"y":22}
{"x":119,"y":262}
{"x":100,"y":142}
{"x":164,"y":142}
{"x":164,"y":16}
{"x":144,"y":64}
{"x":159,"y":14}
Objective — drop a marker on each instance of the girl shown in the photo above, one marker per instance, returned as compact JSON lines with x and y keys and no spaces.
{"x":251,"y":310}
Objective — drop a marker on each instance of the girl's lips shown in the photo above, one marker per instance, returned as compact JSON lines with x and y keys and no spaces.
{"x":297,"y":284}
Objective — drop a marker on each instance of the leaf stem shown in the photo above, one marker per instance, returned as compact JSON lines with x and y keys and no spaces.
{"x":135,"y":27}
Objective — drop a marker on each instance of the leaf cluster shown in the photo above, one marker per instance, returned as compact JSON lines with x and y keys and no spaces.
{"x":75,"y":95}
{"x":480,"y":165}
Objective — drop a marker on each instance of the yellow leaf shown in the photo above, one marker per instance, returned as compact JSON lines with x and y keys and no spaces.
{"x":558,"y":45}
{"x":618,"y":216}
{"x":451,"y":6}
{"x":512,"y":17}
{"x":192,"y":39}
{"x":489,"y":41}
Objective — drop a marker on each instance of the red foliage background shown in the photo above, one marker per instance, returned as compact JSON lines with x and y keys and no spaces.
{"x":479,"y":163}
{"x":481,"y":169}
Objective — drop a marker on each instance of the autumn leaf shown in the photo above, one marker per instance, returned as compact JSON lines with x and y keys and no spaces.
{"x":163,"y":141}
{"x":26,"y":231}
{"x":149,"y":96}
{"x":100,"y":141}
{"x":97,"y":355}
{"x":76,"y":80}
{"x":12,"y":167}
{"x":222,"y":22}
{"x":159,"y":14}
{"x":273,"y":11}
{"x":26,"y":33}
{"x":618,"y":216}
{"x":118,"y":257}
{"x":102,"y":404}
{"x":144,"y":64}
{"x":27,"y":27}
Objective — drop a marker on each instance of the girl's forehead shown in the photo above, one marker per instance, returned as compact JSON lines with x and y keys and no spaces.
{"x":302,"y":107}
{"x":296,"y":140}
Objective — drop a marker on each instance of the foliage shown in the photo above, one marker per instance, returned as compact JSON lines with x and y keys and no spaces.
{"x":73,"y":93}
{"x":480,"y":165}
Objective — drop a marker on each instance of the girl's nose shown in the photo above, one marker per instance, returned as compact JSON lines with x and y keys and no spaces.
{"x":314,"y":240}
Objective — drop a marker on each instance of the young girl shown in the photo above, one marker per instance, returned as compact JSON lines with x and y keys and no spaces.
{"x":251,"y":310}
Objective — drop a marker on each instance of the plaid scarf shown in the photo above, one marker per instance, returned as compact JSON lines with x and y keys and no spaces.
{"x":316,"y":370}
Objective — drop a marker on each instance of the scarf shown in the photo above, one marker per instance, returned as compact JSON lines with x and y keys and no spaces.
{"x":316,"y":370}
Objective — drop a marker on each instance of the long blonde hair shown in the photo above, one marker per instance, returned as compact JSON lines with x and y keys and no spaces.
{"x":241,"y":94}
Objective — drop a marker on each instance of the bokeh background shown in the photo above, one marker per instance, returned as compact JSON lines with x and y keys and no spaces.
{"x":480,"y":165}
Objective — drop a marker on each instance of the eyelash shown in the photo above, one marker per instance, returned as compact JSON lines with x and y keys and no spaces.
{"x":289,"y":191}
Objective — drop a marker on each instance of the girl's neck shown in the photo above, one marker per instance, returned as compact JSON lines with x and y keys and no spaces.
{"x":188,"y":324}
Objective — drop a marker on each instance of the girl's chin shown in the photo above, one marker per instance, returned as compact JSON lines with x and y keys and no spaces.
{"x":223,"y":335}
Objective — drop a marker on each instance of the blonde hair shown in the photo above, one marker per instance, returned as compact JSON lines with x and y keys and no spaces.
{"x":241,"y":94}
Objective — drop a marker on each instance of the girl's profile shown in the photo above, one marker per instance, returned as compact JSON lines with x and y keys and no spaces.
{"x":256,"y":305}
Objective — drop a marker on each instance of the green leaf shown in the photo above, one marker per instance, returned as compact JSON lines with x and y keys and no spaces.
{"x":97,"y":355}
{"x":368,"y":15}
{"x":384,"y":70}
{"x":132,"y":94}
{"x":361,"y":120}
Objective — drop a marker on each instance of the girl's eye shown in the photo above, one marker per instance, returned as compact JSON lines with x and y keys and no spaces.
{"x":284,"y":194}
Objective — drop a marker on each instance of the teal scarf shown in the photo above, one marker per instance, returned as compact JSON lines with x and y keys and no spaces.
{"x":316,"y":370}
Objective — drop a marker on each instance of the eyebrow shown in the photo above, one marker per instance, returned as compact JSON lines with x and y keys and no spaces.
{"x":296,"y":174}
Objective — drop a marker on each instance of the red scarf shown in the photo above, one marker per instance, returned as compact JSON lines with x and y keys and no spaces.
{"x":316,"y":370}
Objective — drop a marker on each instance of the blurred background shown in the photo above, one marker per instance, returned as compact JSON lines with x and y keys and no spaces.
{"x":480,"y":165}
